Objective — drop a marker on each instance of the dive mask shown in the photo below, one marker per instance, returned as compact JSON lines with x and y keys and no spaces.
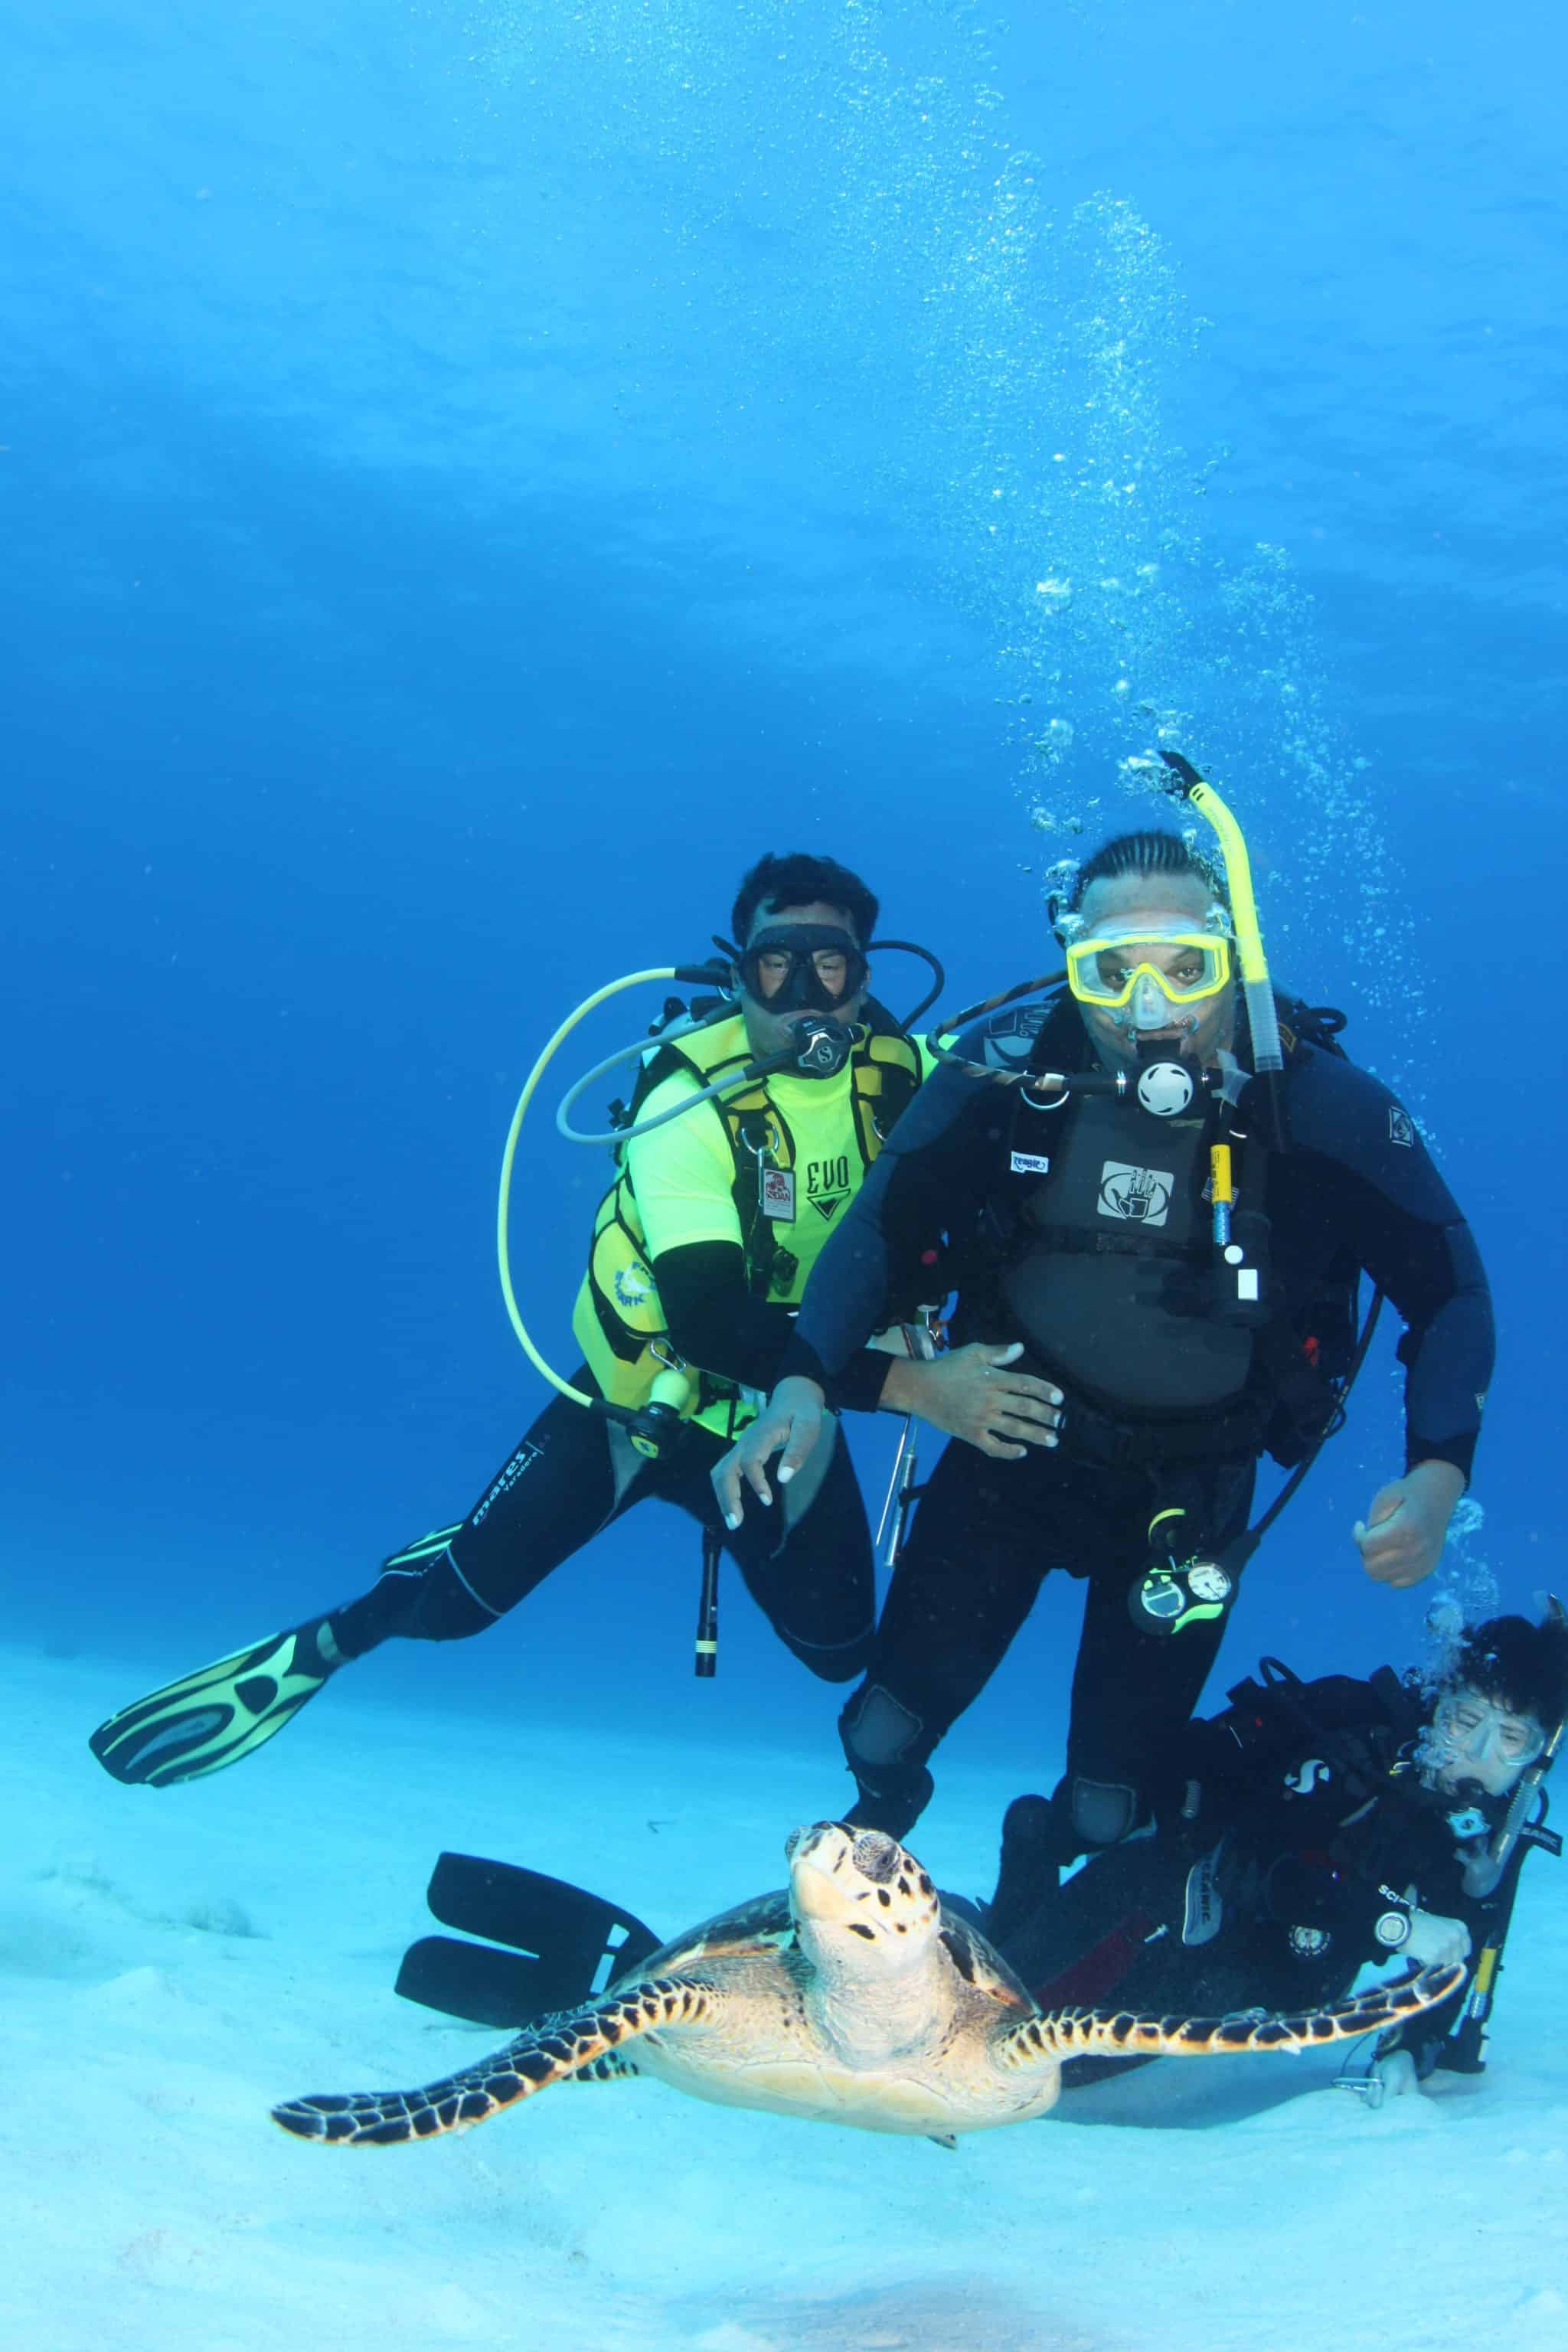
{"x":802,"y":968}
{"x":1473,"y":1737}
{"x":1147,"y":968}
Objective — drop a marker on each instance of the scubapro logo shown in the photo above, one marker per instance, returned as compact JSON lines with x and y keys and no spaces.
{"x":1308,"y":1775}
{"x":1307,"y":1942}
{"x":1139,"y":1196}
{"x":1400,"y":1126}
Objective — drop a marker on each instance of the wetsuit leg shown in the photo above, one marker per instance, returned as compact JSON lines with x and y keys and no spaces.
{"x":551,"y":1496}
{"x":1120,"y":1933}
{"x":1083,"y":1941}
{"x":966,"y":1580}
{"x":814,"y":1580}
{"x":1133,"y":1692}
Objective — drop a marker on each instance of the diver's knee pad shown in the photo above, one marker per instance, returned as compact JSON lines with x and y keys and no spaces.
{"x":1102,"y":1813}
{"x":877,"y":1729}
{"x":893,"y":1787}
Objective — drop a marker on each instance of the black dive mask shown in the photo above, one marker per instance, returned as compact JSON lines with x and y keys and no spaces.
{"x":799,"y":962}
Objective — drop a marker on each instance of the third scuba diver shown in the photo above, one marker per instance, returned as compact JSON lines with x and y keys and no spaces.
{"x":1309,"y":1830}
{"x":1166,"y":1194}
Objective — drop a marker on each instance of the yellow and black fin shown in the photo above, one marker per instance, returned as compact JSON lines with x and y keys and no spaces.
{"x":218,"y":1714}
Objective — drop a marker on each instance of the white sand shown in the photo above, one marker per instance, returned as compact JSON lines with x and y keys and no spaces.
{"x":173,"y":1962}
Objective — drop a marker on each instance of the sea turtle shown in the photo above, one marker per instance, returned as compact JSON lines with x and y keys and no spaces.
{"x":855,"y":1997}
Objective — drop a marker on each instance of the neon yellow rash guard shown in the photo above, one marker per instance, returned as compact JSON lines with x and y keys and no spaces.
{"x":681,"y":1184}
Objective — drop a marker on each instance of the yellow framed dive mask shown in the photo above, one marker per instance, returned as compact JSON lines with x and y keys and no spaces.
{"x":1184,"y":965}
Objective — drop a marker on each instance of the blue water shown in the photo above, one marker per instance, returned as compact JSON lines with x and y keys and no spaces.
{"x":474,"y":476}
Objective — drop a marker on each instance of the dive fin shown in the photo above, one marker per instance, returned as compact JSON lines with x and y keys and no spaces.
{"x":478,"y":1982}
{"x":564,"y":1945}
{"x":220,"y":1712}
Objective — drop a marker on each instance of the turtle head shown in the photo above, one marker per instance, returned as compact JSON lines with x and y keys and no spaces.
{"x":858,"y":1899}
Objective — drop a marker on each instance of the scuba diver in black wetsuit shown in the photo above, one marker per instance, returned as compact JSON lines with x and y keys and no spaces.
{"x":1156,"y":1194}
{"x":1311,"y":1829}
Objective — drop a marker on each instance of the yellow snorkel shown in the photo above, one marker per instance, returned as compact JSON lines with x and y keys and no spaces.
{"x":1263,"y":1020}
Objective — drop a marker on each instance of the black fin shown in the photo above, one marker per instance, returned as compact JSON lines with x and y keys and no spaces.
{"x":562,"y":1943}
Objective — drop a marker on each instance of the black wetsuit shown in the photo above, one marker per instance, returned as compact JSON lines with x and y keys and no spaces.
{"x":812,"y":1574}
{"x":1290,"y":1827}
{"x":813,"y":1579}
{"x":963,"y":1166}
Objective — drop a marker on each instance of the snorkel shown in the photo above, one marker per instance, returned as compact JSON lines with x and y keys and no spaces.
{"x":1258,"y":990}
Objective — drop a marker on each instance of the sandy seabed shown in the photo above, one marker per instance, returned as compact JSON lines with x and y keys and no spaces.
{"x":173,"y":1962}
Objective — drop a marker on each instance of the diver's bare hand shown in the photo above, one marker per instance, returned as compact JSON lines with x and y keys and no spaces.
{"x":973,"y":1393}
{"x":1401,"y":1537}
{"x":792,"y":1419}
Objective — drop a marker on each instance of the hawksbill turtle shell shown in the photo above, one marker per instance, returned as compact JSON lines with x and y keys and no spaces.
{"x":853,"y":1998}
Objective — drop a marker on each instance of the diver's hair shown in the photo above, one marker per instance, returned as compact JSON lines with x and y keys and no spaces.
{"x":795,"y":881}
{"x":1154,"y":852}
{"x":1523,"y":1667}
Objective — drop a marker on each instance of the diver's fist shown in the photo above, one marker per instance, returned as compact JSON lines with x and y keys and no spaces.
{"x":1401,"y":1537}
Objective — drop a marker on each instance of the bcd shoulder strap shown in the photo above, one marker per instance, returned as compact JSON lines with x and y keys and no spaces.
{"x":885,"y":1075}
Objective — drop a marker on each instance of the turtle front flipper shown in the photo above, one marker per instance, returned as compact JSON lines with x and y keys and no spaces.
{"x":551,"y":2052}
{"x":1081,"y":2032}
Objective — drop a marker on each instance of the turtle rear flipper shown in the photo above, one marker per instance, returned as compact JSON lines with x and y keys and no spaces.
{"x":1079,"y":2032}
{"x":553,"y":2052}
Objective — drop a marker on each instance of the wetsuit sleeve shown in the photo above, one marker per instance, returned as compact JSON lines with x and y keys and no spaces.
{"x":1347,"y":1876}
{"x":1379,"y":1180}
{"x":714,"y":1320}
{"x":926,"y":1182}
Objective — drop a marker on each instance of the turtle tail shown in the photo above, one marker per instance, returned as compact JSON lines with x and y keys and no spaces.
{"x":551,"y":2052}
{"x":1081,"y":2032}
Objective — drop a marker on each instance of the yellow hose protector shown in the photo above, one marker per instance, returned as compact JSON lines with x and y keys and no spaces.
{"x":503,"y":1204}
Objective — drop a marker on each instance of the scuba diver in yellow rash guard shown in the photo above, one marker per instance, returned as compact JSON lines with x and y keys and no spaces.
{"x":700,"y":1250}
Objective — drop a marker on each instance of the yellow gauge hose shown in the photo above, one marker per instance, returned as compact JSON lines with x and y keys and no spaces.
{"x":503,"y":1204}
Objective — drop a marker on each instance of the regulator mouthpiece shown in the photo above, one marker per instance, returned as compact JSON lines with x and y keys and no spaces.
{"x":823,"y":1046}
